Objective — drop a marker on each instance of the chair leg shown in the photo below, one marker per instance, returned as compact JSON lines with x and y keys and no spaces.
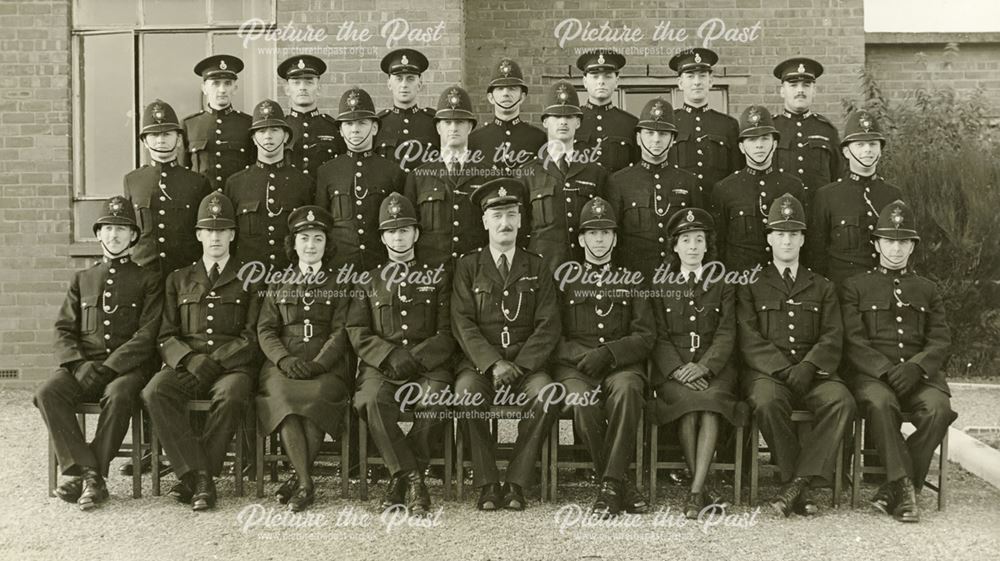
{"x":154,"y":453}
{"x":754,"y":461}
{"x":345,"y":456}
{"x":943,"y":473}
{"x":137,"y":453}
{"x":738,"y":468}
{"x":640,"y":455}
{"x":259,"y":443}
{"x":546,"y":461}
{"x":838,"y":475}
{"x":363,"y":456}
{"x":238,"y":468}
{"x":53,"y":469}
{"x":856,"y":475}
{"x":459,"y":462}
{"x":654,"y":458}
{"x":449,"y":446}
{"x":275,"y":441}
{"x":553,"y":462}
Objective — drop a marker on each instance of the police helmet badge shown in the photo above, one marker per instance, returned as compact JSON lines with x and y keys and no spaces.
{"x":897,"y":217}
{"x":657,"y":111}
{"x":786,"y":208}
{"x":214,"y":207}
{"x":865,"y":122}
{"x":352,"y":99}
{"x":453,"y":98}
{"x":598,"y":209}
{"x":754,"y":116}
{"x":505,"y":67}
{"x":115,"y":206}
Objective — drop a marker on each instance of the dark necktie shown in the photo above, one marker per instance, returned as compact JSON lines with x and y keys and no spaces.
{"x":504,"y":267}
{"x":787,"y":277}
{"x":213,"y":275}
{"x":561,"y":165}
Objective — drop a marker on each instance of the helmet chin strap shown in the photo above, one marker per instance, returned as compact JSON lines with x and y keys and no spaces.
{"x":157,"y":150}
{"x":601,"y":256}
{"x":266,"y":151}
{"x":651,"y":153}
{"x":855,"y":158}
{"x":113,"y":254}
{"x":362,"y":141}
{"x":508,"y":107}
{"x":765,"y":158}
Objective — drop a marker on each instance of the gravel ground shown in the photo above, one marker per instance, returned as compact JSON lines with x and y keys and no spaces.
{"x":33,"y":526}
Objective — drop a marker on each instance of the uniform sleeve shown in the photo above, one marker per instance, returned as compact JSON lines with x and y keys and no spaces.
{"x":269,"y":328}
{"x":759,"y":353}
{"x":371,"y":348}
{"x":336,"y":344}
{"x":720,"y":215}
{"x":736,"y":158}
{"x":142,"y":345}
{"x":666,"y":359}
{"x":172,"y":345}
{"x":243,"y":350}
{"x":826,"y":352}
{"x":860,"y":356}
{"x":837,"y":157}
{"x":937,"y":339}
{"x":410,"y":191}
{"x":548,"y":326}
{"x":320,"y":196}
{"x":436,"y":350}
{"x":463,"y":319}
{"x":67,"y":340}
{"x":817,"y":235}
{"x":636,"y":346}
{"x":724,"y":339}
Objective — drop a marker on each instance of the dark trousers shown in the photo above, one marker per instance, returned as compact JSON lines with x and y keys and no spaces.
{"x":376,"y":402}
{"x":608,"y":428}
{"x":531,"y":429}
{"x":57,"y":399}
{"x":166,"y":400}
{"x":931,"y":414}
{"x":816,"y":456}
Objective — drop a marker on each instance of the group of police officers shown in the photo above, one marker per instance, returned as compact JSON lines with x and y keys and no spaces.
{"x":408,"y":249}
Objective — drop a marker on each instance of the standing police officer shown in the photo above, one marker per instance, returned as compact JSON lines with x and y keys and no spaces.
{"x":217,"y":139}
{"x":605,"y":127}
{"x":407,"y":134}
{"x":165,"y":195}
{"x":808,"y":145}
{"x":265,"y":193}
{"x":317,"y":138}
{"x":896,"y":347}
{"x":507,"y":141}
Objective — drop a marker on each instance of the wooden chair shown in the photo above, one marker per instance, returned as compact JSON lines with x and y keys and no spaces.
{"x":131,"y":450}
{"x":858,"y":469}
{"x":447,"y":462}
{"x":497,"y":412}
{"x":802,"y":418}
{"x":655,"y":464}
{"x":555,"y":463}
{"x":204,"y":406}
{"x":275,"y":455}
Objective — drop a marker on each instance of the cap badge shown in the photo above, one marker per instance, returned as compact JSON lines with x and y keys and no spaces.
{"x":222,"y":65}
{"x":352,"y":99}
{"x":310,"y":216}
{"x":897,"y":217}
{"x":689,"y":217}
{"x":600,"y":59}
{"x":394,"y":209}
{"x":802,"y":68}
{"x":865,"y":122}
{"x":697,"y":57}
{"x":786,"y":208}
{"x":158,"y":115}
{"x":598,"y":210}
{"x":505,"y":67}
{"x":562,"y":95}
{"x":502,"y":192}
{"x":657,"y":111}
{"x":115,"y":206}
{"x":453,"y":98}
{"x":214,"y":207}
{"x":301,"y":64}
{"x":404,"y":60}
{"x":754,"y":116}
{"x":265,"y":108}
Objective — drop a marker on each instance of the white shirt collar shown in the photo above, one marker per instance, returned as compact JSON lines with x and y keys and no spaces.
{"x":781,"y":270}
{"x":496,"y":256}
{"x":302,"y":267}
{"x":685,"y":274}
{"x":209,"y":262}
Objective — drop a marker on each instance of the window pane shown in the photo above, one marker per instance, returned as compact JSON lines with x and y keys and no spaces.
{"x":107,"y":115}
{"x":167,"y":67}
{"x":85,"y":213}
{"x":238,"y":11}
{"x":175,"y":12}
{"x":258,"y":79}
{"x":91,"y":13}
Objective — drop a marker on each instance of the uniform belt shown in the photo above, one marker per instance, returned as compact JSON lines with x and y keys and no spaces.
{"x":305,"y":330}
{"x":690,"y":340}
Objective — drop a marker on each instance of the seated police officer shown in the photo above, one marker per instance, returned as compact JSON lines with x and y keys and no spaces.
{"x":106,"y":350}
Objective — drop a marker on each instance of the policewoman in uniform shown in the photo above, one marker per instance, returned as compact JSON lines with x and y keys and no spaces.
{"x":105,"y":346}
{"x":507,"y":142}
{"x":706,"y":143}
{"x":400,"y":325}
{"x":647,"y":193}
{"x":304,"y":385}
{"x":267,"y":192}
{"x":694,"y":372}
{"x":845,"y":212}
{"x":216,"y":139}
{"x":606,"y":338}
{"x":450,"y":223}
{"x":505,"y":317}
{"x":407,"y":132}
{"x":742,"y":201}
{"x":165,"y":195}
{"x":791,"y":337}
{"x":809,"y":143}
{"x":316,"y":134}
{"x":208,"y":341}
{"x":560,"y":180}
{"x":896,"y":346}
{"x":353,"y":185}
{"x":604,"y":126}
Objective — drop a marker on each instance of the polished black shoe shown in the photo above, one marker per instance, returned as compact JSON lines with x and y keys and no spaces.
{"x":513,"y":498}
{"x":395,"y":494}
{"x":204,"y":491}
{"x":70,"y":490}
{"x":184,"y":489}
{"x":287,"y":489}
{"x":303,"y":497}
{"x":418,"y":499}
{"x":884,"y":500}
{"x":490,"y":497}
{"x":679,"y":477}
{"x":633,"y":501}
{"x":434,"y":472}
{"x":905,"y":509}
{"x":694,"y":505}
{"x":784,"y":502}
{"x":609,"y":499}
{"x":805,"y":505}
{"x":95,"y":490}
{"x":146,"y":465}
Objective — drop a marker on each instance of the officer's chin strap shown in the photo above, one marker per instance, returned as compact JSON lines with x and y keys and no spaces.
{"x":362,"y":141}
{"x":397,"y":252}
{"x":855,"y":158}
{"x":657,"y":154}
{"x":281,"y":146}
{"x":157,"y":150}
{"x":765,"y":158}
{"x":601,"y":256}
{"x":508,"y":107}
{"x":111,"y":254}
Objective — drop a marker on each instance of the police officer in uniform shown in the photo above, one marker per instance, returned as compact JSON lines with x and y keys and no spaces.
{"x":506,"y":320}
{"x":561,"y":179}
{"x":217,"y":139}
{"x":790,"y":338}
{"x":265,"y":193}
{"x":105,"y":346}
{"x":400,"y":325}
{"x":317,"y":136}
{"x":165,"y":195}
{"x":407,"y":134}
{"x":208,"y":341}
{"x":601,"y":357}
{"x":507,"y":142}
{"x":706,"y":139}
{"x":808,"y":146}
{"x":353,"y":185}
{"x":741,"y":202}
{"x":845,"y":212}
{"x":647,"y":193}
{"x":896,"y":347}
{"x":449,"y":220}
{"x":606,"y":127}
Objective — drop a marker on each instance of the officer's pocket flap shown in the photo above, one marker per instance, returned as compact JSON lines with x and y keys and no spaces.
{"x":195,"y":145}
{"x":683,"y":136}
{"x":248,"y":207}
{"x":810,"y":306}
{"x":819,"y":143}
{"x":144,"y":201}
{"x":526,"y":285}
{"x":718,"y":138}
{"x":785,"y":142}
{"x":874,"y":305}
{"x":769,"y":306}
{"x":482,"y":287}
{"x":432,"y":195}
{"x":189,"y":297}
{"x":741,"y":212}
{"x":845,"y":220}
{"x":542,"y":191}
